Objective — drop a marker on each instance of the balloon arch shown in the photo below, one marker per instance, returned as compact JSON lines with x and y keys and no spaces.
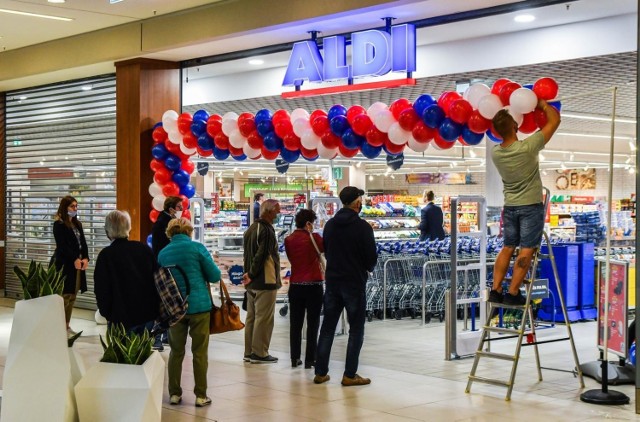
{"x":339,"y":131}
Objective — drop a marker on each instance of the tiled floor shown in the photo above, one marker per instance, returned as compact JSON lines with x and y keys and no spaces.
{"x":410,"y":380}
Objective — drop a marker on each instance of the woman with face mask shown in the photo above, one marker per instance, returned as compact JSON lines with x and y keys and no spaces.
{"x":71,"y":254}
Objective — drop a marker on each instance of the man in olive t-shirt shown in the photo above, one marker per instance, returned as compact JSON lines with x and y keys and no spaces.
{"x":523,"y":214}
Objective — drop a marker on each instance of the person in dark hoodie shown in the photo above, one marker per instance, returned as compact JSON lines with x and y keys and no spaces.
{"x":350,"y":249}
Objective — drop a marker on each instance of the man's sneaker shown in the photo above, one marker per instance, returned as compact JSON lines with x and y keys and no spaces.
{"x":356,"y":380}
{"x":319,"y":379}
{"x":175,"y":399}
{"x":203,"y":401}
{"x":495,"y":296}
{"x":246,"y":358}
{"x":517,"y":300}
{"x":267,"y":359}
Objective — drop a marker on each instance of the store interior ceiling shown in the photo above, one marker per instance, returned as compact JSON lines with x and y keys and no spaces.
{"x":582,"y":140}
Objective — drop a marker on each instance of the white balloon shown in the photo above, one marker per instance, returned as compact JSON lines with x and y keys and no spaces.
{"x":158,"y":202}
{"x":518,"y":117}
{"x":300,"y":126}
{"x":397,"y":135}
{"x":328,"y":153}
{"x":475,"y":92}
{"x":417,"y":146}
{"x":523,"y":100}
{"x":170,"y":120}
{"x":228,"y":126}
{"x":375,"y":108}
{"x":250,"y":152}
{"x":383,"y":120}
{"x":155,"y":189}
{"x":489,"y":105}
{"x":299,"y":113}
{"x":187,"y":151}
{"x":236,"y":139}
{"x":175,"y":137}
{"x":309,"y":139}
{"x":230,"y":116}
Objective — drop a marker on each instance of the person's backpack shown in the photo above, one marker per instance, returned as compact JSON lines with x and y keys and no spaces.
{"x":173,"y":306}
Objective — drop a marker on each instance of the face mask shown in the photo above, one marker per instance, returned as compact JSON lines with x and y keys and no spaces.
{"x":178,"y":214}
{"x":72,"y":213}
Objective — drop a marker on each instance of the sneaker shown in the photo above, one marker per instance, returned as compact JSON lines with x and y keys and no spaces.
{"x":203,"y":401}
{"x":308,"y":365}
{"x":319,"y":379}
{"x":495,"y":296}
{"x":517,"y":300}
{"x":175,"y":399}
{"x":295,"y":363}
{"x":246,"y":358}
{"x":356,"y":380}
{"x":267,"y":359}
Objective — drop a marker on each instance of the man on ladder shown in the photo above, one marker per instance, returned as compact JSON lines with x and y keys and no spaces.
{"x":523,"y":215}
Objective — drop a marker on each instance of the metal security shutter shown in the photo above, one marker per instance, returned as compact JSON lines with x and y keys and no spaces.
{"x":61,"y":140}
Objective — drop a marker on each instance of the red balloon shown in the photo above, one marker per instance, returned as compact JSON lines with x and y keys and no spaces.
{"x":186,"y":214}
{"x":309,"y":153}
{"x":280,"y":115}
{"x":375,"y":137}
{"x":393,"y":148}
{"x":320,"y":124}
{"x":269,"y":155}
{"x":507,"y":90}
{"x":317,"y":113}
{"x":236,"y":152}
{"x":159,"y":135}
{"x":254,"y":140}
{"x":422,"y":133}
{"x":188,"y":166}
{"x":214,"y":118}
{"x":441,"y":143}
{"x":291,"y":142}
{"x":539,"y":117}
{"x":184,"y":123}
{"x":185,"y":202}
{"x":246,"y":126}
{"x":477,"y":123}
{"x":171,"y":147}
{"x":528,"y":123}
{"x":162,"y":176}
{"x":204,"y":152}
{"x":361,"y":124}
{"x":329,"y":140}
{"x":283,"y":128}
{"x":214,"y":127}
{"x":446,"y":98}
{"x":460,"y":111}
{"x":497,"y":85}
{"x":257,"y":157}
{"x":189,"y":140}
{"x":346,"y":152}
{"x":398,"y":106}
{"x":408,"y":119}
{"x":156,"y":164}
{"x":171,"y":188}
{"x":153,"y":215}
{"x":546,"y":88}
{"x":244,"y":116}
{"x":355,"y":111}
{"x":221,"y":140}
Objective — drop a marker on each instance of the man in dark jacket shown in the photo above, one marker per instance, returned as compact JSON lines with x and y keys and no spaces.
{"x":262,"y":281}
{"x":351,"y":254}
{"x":172,"y":209}
{"x":431,"y":220}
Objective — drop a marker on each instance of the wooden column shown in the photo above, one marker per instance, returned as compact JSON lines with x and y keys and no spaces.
{"x":145,"y":89}
{"x":3,"y":185}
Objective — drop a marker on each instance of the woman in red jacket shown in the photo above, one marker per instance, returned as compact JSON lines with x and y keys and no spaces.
{"x":303,"y":248}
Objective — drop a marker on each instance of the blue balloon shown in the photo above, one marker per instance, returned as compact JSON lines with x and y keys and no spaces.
{"x":159,"y":124}
{"x":289,"y":156}
{"x":188,"y":190}
{"x":239,"y":157}
{"x":181,"y":177}
{"x":422,"y":102}
{"x":389,"y":153}
{"x":159,"y":152}
{"x":198,"y":127}
{"x":449,"y":130}
{"x":528,"y":86}
{"x":433,"y":116}
{"x":220,"y":154}
{"x":205,"y":142}
{"x":492,"y":137}
{"x":336,"y":110}
{"x":338,"y":125}
{"x":172,"y":162}
{"x":470,"y":137}
{"x":556,"y":104}
{"x":263,"y":127}
{"x":272,"y":142}
{"x":311,"y":159}
{"x":149,"y":240}
{"x":264,"y":114}
{"x":370,"y":151}
{"x":201,"y":115}
{"x":351,"y":140}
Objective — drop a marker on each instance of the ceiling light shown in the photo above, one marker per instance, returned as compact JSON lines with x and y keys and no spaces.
{"x":524,"y":18}
{"x":371,"y":177}
{"x":571,"y":157}
{"x":114,"y":1}
{"x":34,"y":15}
{"x":23,"y":97}
{"x":472,"y":153}
{"x":562,"y":166}
{"x":358,"y":164}
{"x":628,"y":160}
{"x":586,"y":167}
{"x":631,"y":170}
{"x":86,"y":88}
{"x":597,"y":118}
{"x":544,"y":172}
{"x":256,"y":62}
{"x":56,"y":1}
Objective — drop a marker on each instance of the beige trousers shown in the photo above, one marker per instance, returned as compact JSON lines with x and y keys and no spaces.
{"x":261,"y":307}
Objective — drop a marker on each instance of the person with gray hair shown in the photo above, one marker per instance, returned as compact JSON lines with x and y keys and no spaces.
{"x":123,"y":277}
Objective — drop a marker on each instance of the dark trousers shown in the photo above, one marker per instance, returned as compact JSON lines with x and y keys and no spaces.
{"x":337,"y":298}
{"x":304,"y":298}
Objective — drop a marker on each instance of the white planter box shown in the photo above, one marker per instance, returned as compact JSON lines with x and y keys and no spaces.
{"x":118,"y":392}
{"x":37,"y":383}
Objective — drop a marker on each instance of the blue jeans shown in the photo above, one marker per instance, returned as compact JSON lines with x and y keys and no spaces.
{"x":337,"y":298}
{"x":523,"y":225}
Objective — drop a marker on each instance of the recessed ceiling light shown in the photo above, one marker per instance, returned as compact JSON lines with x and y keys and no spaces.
{"x":34,"y":15}
{"x":256,"y":62}
{"x":87,"y":88}
{"x":524,"y":18}
{"x":23,"y":97}
{"x":56,"y":1}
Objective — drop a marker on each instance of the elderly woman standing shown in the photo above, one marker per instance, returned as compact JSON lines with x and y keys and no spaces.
{"x":195,"y":261}
{"x":124,"y":286}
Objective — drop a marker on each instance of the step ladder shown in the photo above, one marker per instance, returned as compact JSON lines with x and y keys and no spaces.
{"x":522,"y":332}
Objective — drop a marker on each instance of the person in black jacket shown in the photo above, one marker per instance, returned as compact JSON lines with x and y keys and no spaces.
{"x":431,"y":221}
{"x":124,"y":286}
{"x":350,"y":249}
{"x":172,"y":209}
{"x":71,"y":254}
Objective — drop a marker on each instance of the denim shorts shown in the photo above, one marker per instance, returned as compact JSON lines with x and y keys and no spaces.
{"x":523,"y":225}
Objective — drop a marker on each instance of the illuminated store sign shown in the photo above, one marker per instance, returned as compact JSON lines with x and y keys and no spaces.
{"x":373,"y":53}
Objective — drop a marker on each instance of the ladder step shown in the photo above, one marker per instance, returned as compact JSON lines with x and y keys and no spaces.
{"x":502,"y":356}
{"x":476,"y":378}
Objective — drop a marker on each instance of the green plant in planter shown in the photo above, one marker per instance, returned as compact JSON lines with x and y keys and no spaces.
{"x":38,"y":282}
{"x":123,"y":347}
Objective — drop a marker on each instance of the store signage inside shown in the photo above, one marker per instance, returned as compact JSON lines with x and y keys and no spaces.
{"x":373,"y":53}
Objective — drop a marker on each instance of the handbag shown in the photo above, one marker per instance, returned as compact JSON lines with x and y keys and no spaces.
{"x":227,"y":316}
{"x":321,"y":257}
